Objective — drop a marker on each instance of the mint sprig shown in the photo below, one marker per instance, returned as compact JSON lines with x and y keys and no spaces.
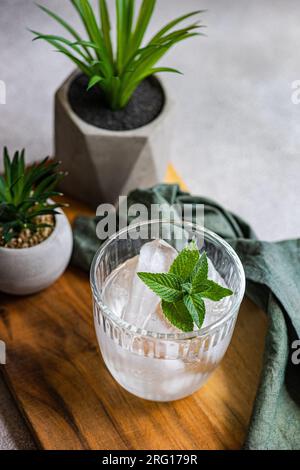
{"x":184,"y":287}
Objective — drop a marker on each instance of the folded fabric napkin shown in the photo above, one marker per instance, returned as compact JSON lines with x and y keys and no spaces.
{"x":273,"y":282}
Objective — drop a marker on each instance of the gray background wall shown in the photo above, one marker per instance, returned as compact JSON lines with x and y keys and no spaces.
{"x":237,"y":136}
{"x":237,"y":132}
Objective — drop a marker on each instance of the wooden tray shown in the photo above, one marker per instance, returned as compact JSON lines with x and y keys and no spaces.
{"x":70,"y":401}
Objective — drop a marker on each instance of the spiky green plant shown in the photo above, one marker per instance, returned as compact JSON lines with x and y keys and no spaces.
{"x":119,"y":72}
{"x":24,"y":194}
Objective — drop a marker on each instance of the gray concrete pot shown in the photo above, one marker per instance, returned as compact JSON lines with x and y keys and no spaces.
{"x":104,"y":164}
{"x":30,"y":270}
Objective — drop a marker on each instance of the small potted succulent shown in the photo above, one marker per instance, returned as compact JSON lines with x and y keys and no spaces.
{"x":35,"y":235}
{"x":112,"y":119}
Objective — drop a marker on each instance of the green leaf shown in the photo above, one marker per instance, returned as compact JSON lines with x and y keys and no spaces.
{"x":60,"y":20}
{"x":125,"y":13}
{"x":182,"y":289}
{"x":121,"y":33}
{"x":143,"y":20}
{"x":55,"y":40}
{"x":175,"y":35}
{"x":45,"y":184}
{"x":125,"y":69}
{"x":130,"y":15}
{"x":174,"y":23}
{"x":160,"y":70}
{"x":94,"y":31}
{"x":115,"y":84}
{"x":166,"y":286}
{"x":63,"y":23}
{"x":89,"y":20}
{"x":105,"y":24}
{"x":165,"y":69}
{"x":81,"y":65}
{"x":196,"y":306}
{"x":93,"y":81}
{"x":200,"y":273}
{"x":137,"y":56}
{"x":7,"y":167}
{"x":184,"y":264}
{"x":178,"y":315}
{"x":91,"y":44}
{"x":21,"y":172}
{"x":2,"y":189}
{"x":14,"y":167}
{"x":23,"y":193}
{"x":214,"y":291}
{"x":47,"y":211}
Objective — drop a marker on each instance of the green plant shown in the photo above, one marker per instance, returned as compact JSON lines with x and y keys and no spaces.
{"x":24,"y":194}
{"x":184,"y":287}
{"x":118,"y":73}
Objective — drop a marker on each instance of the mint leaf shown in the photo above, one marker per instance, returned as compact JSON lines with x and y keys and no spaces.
{"x":200,"y":274}
{"x":166,"y":286}
{"x":196,"y":306}
{"x":214,"y":291}
{"x":184,"y":264}
{"x":183,"y":289}
{"x":178,"y":315}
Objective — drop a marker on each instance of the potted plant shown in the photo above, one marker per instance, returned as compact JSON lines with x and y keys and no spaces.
{"x":112,"y":119}
{"x":35,"y":235}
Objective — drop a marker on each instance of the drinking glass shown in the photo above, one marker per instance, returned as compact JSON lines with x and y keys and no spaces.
{"x":163,"y":366}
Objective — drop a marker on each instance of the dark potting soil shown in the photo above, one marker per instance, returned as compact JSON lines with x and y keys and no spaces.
{"x":145,"y":105}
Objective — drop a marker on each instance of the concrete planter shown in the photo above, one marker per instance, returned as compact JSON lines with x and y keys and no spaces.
{"x":30,"y":270}
{"x":104,"y":164}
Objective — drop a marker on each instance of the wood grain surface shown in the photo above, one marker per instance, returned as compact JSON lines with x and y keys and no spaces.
{"x":70,"y":401}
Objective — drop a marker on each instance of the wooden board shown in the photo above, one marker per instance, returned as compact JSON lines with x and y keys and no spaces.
{"x":70,"y":401}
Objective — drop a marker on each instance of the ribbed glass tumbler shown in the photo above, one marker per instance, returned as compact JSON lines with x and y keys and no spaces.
{"x":159,"y":366}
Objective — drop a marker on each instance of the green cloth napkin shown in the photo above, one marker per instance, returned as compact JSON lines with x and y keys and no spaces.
{"x":273,"y":282}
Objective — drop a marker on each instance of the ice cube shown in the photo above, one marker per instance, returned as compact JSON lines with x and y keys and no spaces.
{"x":117,"y":287}
{"x":155,"y":257}
{"x":129,"y":298}
{"x":215,"y":310}
{"x":158,"y":323}
{"x":213,"y":274}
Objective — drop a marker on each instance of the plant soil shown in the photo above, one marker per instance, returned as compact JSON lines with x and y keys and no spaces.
{"x":28,"y":238}
{"x":145,"y":105}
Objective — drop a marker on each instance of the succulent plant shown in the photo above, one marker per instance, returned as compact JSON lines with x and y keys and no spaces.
{"x":25,"y":193}
{"x":118,"y":72}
